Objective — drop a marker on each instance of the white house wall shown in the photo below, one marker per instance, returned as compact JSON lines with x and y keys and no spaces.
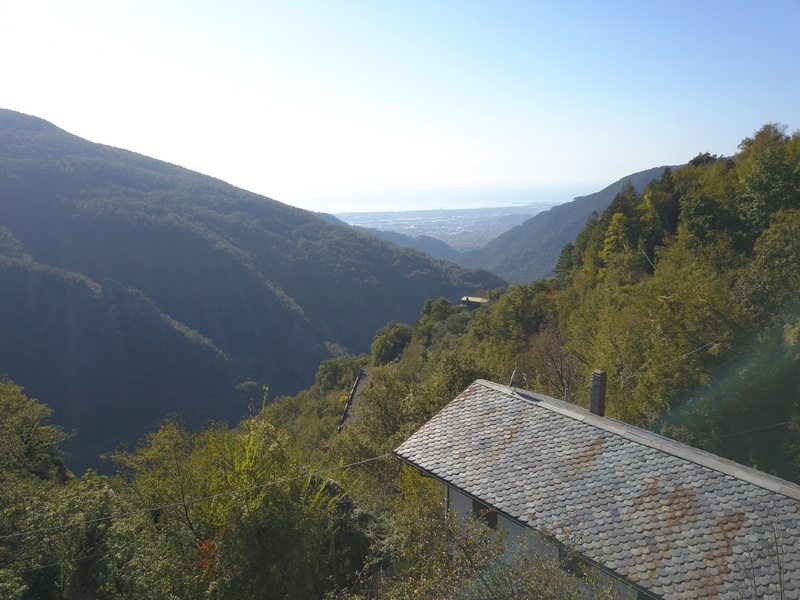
{"x":515,"y":533}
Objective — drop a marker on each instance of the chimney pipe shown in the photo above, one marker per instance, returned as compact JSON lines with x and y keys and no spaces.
{"x":597,"y":395}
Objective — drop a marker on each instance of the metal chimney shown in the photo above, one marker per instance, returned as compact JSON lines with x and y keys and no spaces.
{"x":597,"y":395}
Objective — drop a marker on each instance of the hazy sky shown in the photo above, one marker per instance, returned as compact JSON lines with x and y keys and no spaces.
{"x":325,"y":104}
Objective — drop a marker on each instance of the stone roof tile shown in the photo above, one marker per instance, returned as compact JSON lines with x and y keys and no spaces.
{"x":673,"y":519}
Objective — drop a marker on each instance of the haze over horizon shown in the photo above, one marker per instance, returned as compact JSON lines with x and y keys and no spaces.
{"x":353,"y":106}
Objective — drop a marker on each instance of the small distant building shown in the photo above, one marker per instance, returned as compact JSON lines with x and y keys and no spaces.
{"x":664,"y":520}
{"x":473,"y":301}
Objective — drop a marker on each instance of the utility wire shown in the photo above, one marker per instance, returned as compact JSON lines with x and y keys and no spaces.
{"x":189,"y":501}
{"x":585,"y":389}
{"x":669,"y":362}
{"x":72,"y":560}
{"x":648,"y":260}
{"x":717,"y":437}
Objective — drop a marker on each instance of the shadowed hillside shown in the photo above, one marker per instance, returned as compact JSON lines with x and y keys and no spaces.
{"x":105,"y":356}
{"x":271,"y":288}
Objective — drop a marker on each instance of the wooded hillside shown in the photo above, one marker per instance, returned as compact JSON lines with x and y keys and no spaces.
{"x":530,"y":250}
{"x":137,"y":288}
{"x":685,"y":294}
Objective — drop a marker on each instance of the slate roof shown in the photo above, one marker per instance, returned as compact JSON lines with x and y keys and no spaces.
{"x":676,"y":521}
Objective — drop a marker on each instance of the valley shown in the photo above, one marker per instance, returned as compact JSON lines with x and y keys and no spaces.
{"x":462,"y":229}
{"x":203,"y":340}
{"x":110,"y":260}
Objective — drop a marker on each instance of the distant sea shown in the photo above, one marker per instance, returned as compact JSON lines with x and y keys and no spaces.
{"x":463,"y":229}
{"x":415,"y":200}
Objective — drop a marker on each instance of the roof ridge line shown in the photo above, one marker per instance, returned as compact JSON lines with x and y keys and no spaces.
{"x":653,"y":440}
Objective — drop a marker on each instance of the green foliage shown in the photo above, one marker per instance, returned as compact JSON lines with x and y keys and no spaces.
{"x":684,"y":292}
{"x":771,"y":183}
{"x":389,"y":342}
{"x":531,"y":250}
{"x":312,"y":416}
{"x":658,"y":214}
{"x":38,"y":558}
{"x":565,"y":261}
{"x":439,"y":320}
{"x":338,"y":373}
{"x":442,"y":556}
{"x":702,"y":159}
{"x":382,"y":416}
{"x":770,"y":283}
{"x":28,"y":446}
{"x":617,"y":237}
{"x":514,"y":316}
{"x":238,"y":515}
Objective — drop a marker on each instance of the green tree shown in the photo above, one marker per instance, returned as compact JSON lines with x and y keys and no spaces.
{"x":53,"y":527}
{"x":616,"y":240}
{"x":28,"y":446}
{"x":771,"y":282}
{"x":771,"y":184}
{"x":442,"y":556}
{"x":658,"y":214}
{"x":565,"y":262}
{"x":338,"y":373}
{"x":238,"y":514}
{"x":389,"y":342}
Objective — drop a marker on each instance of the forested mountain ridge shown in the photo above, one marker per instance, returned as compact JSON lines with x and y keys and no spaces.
{"x":684,"y":293}
{"x":272,"y":289}
{"x":530,"y":250}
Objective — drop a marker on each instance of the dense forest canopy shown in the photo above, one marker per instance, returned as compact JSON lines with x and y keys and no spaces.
{"x":684,"y":293}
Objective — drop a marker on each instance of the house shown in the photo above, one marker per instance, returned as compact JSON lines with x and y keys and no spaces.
{"x":473,"y":301}
{"x":665,"y":519}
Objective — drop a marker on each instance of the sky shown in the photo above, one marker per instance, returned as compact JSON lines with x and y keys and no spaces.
{"x":343,"y":106}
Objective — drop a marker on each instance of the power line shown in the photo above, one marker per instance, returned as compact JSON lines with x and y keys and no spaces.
{"x":189,"y":501}
{"x":58,"y":564}
{"x":585,"y":389}
{"x":750,"y":430}
{"x":648,"y":260}
{"x":669,"y":362}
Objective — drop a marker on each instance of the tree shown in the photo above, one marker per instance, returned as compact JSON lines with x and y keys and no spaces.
{"x":444,"y":556}
{"x":565,"y":262}
{"x":389,"y":342}
{"x":771,"y":282}
{"x":235,"y":514}
{"x":28,"y":446}
{"x":658,"y":214}
{"x":703,"y":158}
{"x":616,"y":240}
{"x":554,"y":368}
{"x":770,"y":186}
{"x":338,"y":373}
{"x":53,"y":527}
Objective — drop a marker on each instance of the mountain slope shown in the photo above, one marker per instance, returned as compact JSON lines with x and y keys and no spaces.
{"x":424,"y":243}
{"x":272,"y":288}
{"x":529,"y":251}
{"x":105,"y":356}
